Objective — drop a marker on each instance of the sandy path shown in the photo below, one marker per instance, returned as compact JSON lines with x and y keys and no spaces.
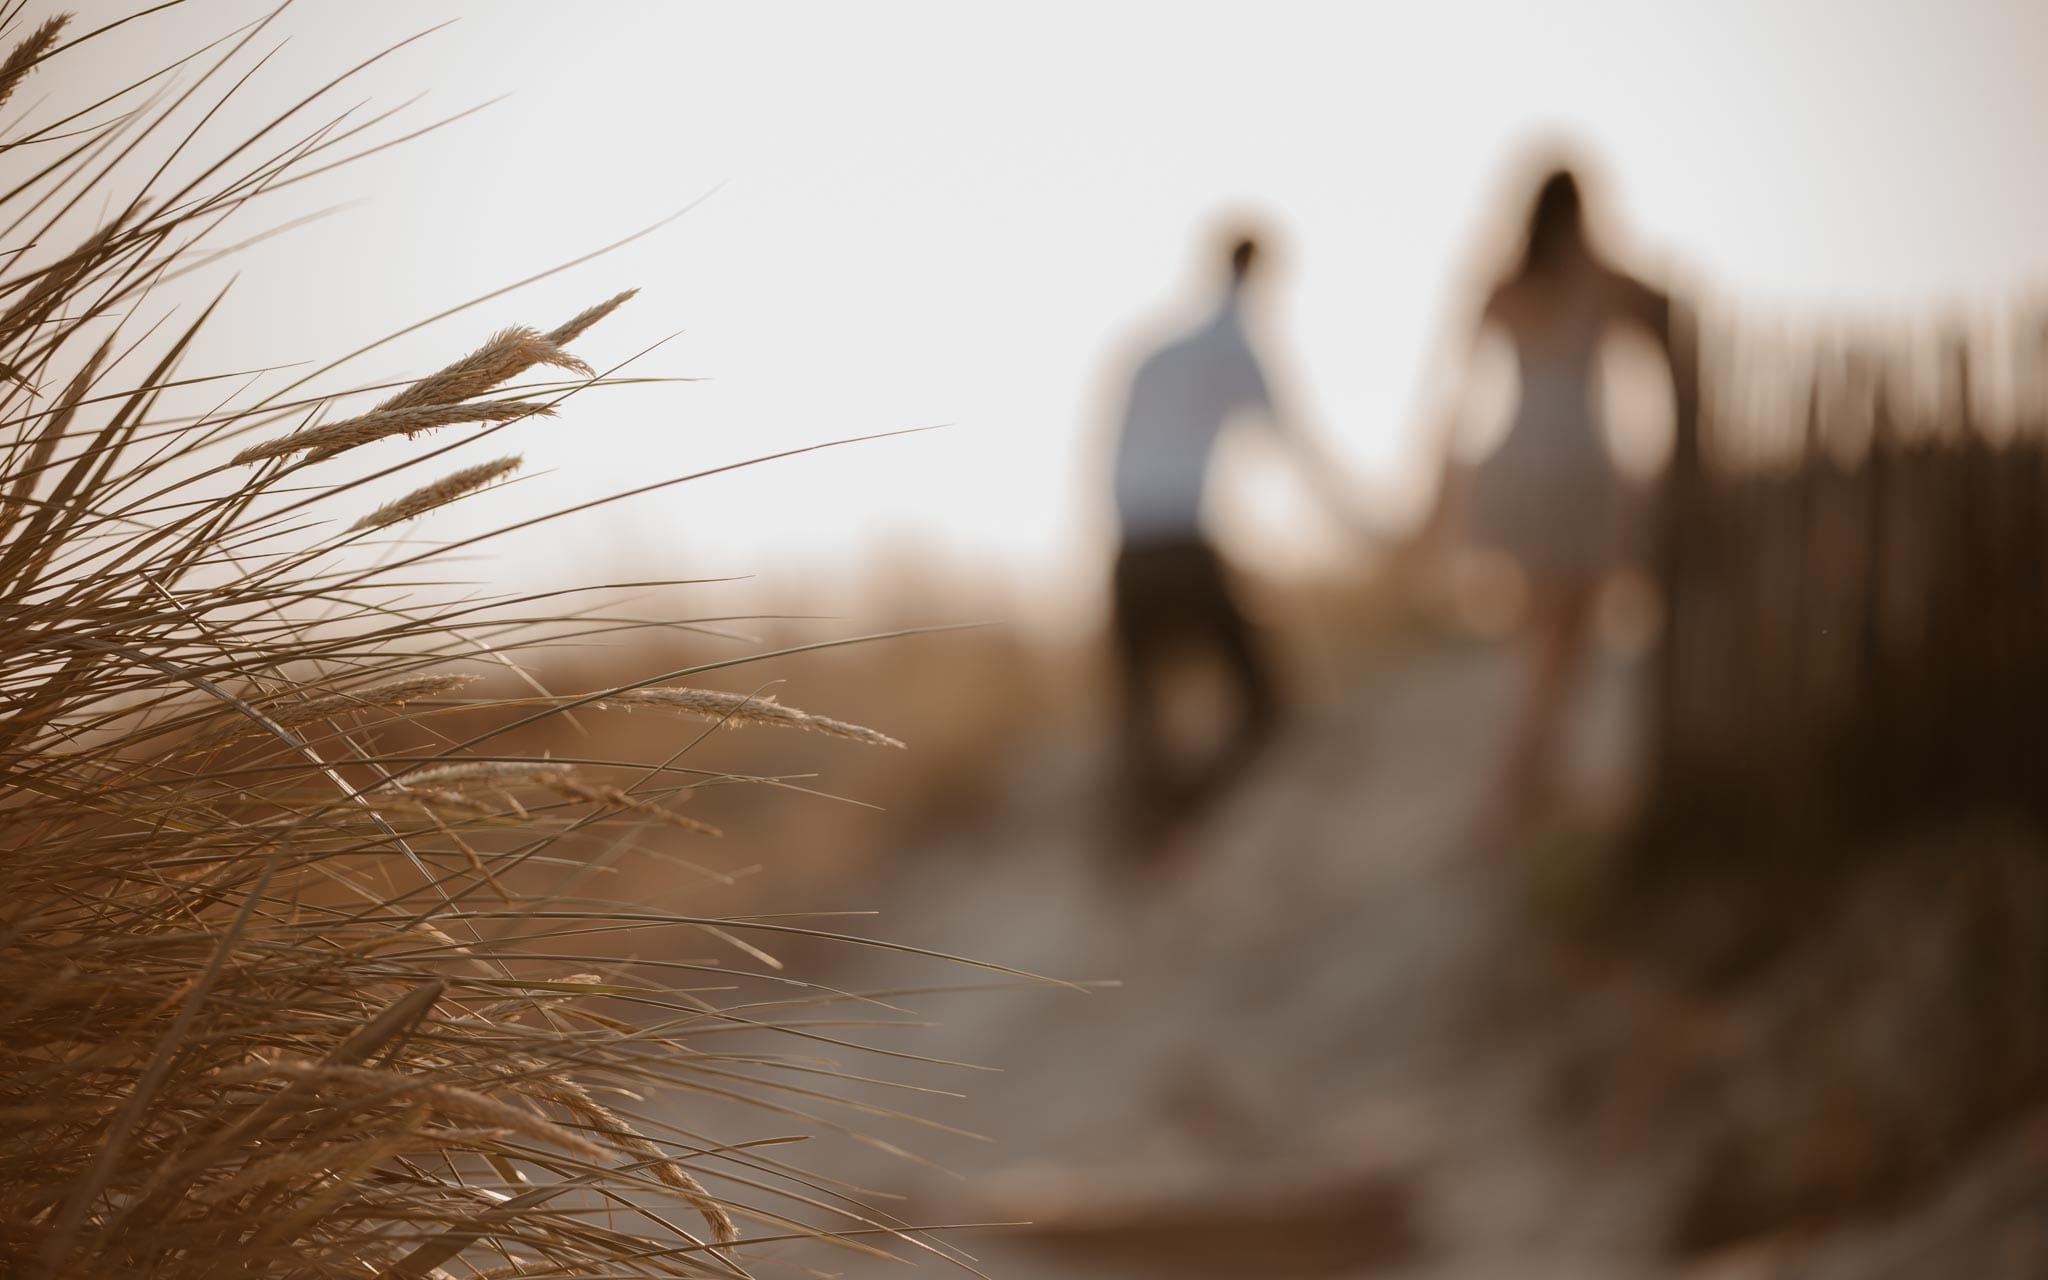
{"x":1303,"y":1014}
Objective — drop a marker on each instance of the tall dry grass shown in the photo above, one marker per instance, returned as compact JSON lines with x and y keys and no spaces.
{"x":296,"y":970}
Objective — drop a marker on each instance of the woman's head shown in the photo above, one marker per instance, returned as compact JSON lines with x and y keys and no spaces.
{"x":1556,"y":222}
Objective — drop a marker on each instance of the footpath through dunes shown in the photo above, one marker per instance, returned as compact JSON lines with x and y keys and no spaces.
{"x":1307,"y":1067}
{"x":1336,"y":1046}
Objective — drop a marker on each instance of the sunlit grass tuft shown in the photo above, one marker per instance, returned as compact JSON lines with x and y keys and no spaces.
{"x":291,"y":980}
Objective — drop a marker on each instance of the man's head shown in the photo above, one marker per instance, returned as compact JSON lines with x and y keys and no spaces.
{"x":1244,"y":246}
{"x":1244,"y":252}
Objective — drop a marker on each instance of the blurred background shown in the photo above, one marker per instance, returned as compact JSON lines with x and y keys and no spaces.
{"x":1680,"y":909}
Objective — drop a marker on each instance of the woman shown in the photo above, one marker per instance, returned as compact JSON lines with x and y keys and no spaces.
{"x":1549,"y":495}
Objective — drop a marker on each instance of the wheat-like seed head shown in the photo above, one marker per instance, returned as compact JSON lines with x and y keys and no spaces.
{"x":577,"y":324}
{"x":438,"y":787}
{"x":509,"y":353}
{"x":438,"y":494}
{"x":335,"y":437}
{"x":575,"y":1099}
{"x":23,"y":57}
{"x":495,"y":773}
{"x":737,"y":709}
{"x":597,"y":793}
{"x":382,"y":695}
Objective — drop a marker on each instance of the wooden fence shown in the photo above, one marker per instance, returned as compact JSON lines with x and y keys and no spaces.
{"x":1854,"y":556}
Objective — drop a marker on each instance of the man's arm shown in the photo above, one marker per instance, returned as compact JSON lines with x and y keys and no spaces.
{"x":1324,"y":475}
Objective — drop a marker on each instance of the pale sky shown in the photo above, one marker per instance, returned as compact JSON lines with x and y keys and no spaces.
{"x":961,"y":213}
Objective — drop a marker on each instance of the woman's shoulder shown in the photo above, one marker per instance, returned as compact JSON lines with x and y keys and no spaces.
{"x":1633,"y":296}
{"x":1508,"y":304}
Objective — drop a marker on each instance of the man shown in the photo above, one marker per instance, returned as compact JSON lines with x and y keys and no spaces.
{"x":1169,"y":593}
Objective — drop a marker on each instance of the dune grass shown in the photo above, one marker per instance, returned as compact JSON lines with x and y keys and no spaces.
{"x":294,"y":977}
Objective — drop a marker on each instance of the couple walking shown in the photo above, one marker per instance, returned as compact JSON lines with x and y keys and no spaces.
{"x":1548,"y":496}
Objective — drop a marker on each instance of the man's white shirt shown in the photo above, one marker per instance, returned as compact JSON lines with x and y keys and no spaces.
{"x":1181,"y":397}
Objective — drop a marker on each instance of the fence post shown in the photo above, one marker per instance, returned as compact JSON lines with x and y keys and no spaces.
{"x":1677,"y":532}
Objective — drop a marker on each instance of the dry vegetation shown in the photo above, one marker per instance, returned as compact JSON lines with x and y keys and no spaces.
{"x":296,"y":976}
{"x":973,"y":705}
{"x":1840,"y":877}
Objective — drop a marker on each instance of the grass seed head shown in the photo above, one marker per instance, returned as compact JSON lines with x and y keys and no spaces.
{"x":739,"y":709}
{"x":24,"y":56}
{"x":509,"y":353}
{"x":324,"y":442}
{"x":580,"y":323}
{"x":438,"y":494}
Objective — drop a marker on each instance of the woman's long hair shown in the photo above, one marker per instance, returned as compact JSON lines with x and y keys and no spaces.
{"x":1556,"y":223}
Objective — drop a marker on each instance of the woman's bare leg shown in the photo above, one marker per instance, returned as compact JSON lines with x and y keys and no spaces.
{"x":1555,"y":645}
